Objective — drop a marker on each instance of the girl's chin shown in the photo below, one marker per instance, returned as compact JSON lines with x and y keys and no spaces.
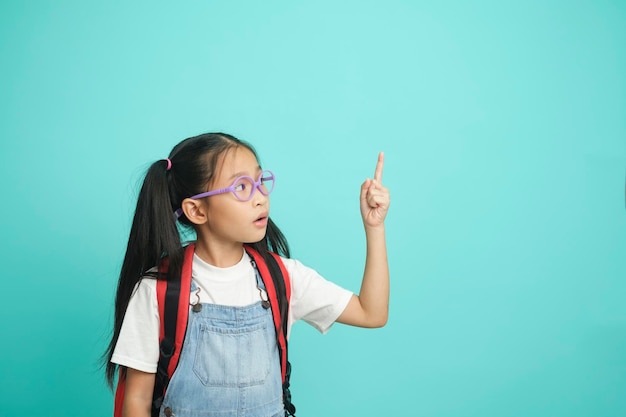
{"x":257,"y":237}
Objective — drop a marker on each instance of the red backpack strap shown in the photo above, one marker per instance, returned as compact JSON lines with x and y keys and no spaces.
{"x":119,"y":393}
{"x":283,"y":270}
{"x":276,"y":279}
{"x":173,"y":302}
{"x":272,"y":294}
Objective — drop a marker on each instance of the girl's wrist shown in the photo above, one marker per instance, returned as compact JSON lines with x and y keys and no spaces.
{"x":379,"y":229}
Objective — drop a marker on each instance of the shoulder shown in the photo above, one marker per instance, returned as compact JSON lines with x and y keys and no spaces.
{"x":147,"y":284}
{"x":143,"y":298}
{"x":297,"y":270}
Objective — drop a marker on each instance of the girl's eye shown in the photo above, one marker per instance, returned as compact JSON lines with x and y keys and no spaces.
{"x":240,"y":187}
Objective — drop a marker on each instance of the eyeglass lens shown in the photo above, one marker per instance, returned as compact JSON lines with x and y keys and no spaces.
{"x":244,"y":187}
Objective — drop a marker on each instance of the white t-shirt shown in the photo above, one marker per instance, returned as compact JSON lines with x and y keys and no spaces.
{"x":313,"y":299}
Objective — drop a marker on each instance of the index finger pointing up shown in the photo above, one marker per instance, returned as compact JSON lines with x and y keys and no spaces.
{"x":378,"y":174}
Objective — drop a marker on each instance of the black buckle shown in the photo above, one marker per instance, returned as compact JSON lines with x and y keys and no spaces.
{"x":167,"y":348}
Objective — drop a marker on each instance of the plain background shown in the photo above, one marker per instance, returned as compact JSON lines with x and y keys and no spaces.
{"x":504,"y":130}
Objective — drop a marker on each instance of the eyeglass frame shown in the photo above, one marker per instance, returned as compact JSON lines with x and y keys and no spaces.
{"x":231,"y":189}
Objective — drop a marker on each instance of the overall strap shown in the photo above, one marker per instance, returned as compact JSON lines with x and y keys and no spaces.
{"x":173,"y":302}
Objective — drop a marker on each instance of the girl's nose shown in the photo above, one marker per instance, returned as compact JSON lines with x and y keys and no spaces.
{"x":259,"y":198}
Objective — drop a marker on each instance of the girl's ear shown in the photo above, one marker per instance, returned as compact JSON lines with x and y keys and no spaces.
{"x":195,"y":211}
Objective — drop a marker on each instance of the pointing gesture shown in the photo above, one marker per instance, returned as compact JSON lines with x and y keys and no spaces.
{"x":371,"y":307}
{"x":375,"y":197}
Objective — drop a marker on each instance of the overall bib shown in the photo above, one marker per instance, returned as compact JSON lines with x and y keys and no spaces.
{"x":229,"y":365}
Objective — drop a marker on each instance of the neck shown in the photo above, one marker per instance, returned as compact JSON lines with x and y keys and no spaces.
{"x":219,"y":254}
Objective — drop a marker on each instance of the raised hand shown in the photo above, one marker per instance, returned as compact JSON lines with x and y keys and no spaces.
{"x":371,"y":307}
{"x":375,"y":197}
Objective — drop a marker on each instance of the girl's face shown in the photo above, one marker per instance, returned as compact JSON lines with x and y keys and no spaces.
{"x":231,"y":221}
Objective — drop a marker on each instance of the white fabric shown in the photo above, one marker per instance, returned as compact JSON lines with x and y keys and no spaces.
{"x":313,"y":299}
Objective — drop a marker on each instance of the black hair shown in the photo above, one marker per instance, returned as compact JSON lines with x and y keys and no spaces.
{"x":154,"y":233}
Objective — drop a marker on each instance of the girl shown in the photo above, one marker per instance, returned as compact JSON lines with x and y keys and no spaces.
{"x":215,"y":377}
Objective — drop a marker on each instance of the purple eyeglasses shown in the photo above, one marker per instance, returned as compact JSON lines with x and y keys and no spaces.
{"x":242,"y":188}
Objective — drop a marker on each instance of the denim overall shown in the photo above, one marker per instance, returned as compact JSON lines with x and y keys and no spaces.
{"x":229,"y":365}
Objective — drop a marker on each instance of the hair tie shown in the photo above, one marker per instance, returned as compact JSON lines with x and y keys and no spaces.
{"x":169,"y":164}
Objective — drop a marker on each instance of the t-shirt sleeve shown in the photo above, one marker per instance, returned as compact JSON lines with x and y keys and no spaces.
{"x":138,"y":344}
{"x":314,"y":299}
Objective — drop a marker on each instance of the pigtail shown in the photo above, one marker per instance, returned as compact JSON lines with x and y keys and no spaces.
{"x":153,"y":235}
{"x":275,"y":241}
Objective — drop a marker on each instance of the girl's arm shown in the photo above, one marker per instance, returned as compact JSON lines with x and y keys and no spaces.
{"x":138,"y":393}
{"x":370,"y":308}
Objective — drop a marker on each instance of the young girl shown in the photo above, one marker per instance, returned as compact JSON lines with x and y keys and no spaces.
{"x":214,"y":184}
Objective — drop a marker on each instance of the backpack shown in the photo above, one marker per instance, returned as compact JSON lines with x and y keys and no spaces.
{"x":173,"y":302}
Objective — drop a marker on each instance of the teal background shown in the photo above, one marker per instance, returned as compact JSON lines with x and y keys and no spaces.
{"x":504,"y":129}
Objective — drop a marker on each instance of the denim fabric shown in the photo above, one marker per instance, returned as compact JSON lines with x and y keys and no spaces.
{"x":229,"y":365}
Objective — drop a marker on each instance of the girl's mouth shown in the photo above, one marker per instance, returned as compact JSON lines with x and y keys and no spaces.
{"x":261,"y":222}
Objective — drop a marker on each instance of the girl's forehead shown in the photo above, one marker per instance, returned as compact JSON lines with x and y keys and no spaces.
{"x":239,"y":160}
